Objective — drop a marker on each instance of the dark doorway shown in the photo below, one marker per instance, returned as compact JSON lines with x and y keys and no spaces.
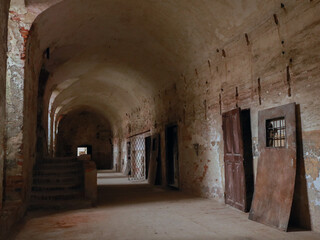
{"x":300,"y":211}
{"x":172,"y":156}
{"x":276,"y":167}
{"x":147,"y":154}
{"x":247,"y":156}
{"x":238,"y":158}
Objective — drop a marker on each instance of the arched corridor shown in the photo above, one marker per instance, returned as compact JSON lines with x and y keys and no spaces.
{"x":206,"y":103}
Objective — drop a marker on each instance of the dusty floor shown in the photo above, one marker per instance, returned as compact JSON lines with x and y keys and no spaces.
{"x":138,"y":211}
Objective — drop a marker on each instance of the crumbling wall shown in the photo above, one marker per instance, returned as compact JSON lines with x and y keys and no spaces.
{"x":120,"y":156}
{"x":21,"y":114}
{"x":18,"y":31}
{"x":4,"y":10}
{"x":12,"y":103}
{"x":85,"y":128}
{"x":271,"y":65}
{"x":116,"y":154}
{"x":140,"y":120}
{"x":24,"y":64}
{"x":275,"y":63}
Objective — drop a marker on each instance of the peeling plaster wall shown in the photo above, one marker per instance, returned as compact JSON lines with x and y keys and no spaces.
{"x":85,"y":128}
{"x":311,"y":156}
{"x":24,"y":65}
{"x":21,"y":105}
{"x":17,"y":33}
{"x":32,"y":79}
{"x":284,"y":56}
{"x":120,"y":157}
{"x":4,"y":10}
{"x":139,"y":120}
{"x":11,"y":111}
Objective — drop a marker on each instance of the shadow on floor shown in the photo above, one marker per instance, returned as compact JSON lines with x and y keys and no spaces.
{"x":128,"y":194}
{"x":300,"y":219}
{"x":108,"y":177}
{"x":120,"y":192}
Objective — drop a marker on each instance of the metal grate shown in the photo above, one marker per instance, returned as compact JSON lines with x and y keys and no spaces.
{"x":276,"y":132}
{"x":137,"y":155}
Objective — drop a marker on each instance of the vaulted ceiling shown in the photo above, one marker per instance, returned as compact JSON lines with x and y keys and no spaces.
{"x":113,"y":54}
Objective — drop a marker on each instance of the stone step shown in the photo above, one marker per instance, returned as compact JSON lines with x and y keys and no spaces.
{"x":57,"y":183}
{"x":60,"y":171}
{"x":63,"y":178}
{"x":55,"y":186}
{"x":60,"y":204}
{"x":59,"y":159}
{"x":56,"y":165}
{"x":57,"y":194}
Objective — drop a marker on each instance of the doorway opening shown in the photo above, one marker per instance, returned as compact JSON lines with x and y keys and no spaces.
{"x":172,"y":156}
{"x":84,"y":149}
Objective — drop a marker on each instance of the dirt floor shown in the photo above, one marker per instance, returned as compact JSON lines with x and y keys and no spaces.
{"x":131,"y":210}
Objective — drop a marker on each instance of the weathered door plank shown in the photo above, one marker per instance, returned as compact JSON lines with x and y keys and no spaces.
{"x":276,"y":171}
{"x":235,"y":185}
{"x":153,"y":165}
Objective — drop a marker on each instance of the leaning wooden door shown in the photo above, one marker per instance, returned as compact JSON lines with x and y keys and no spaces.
{"x":155,"y":162}
{"x":276,"y":171}
{"x":147,"y":154}
{"x":235,"y":187}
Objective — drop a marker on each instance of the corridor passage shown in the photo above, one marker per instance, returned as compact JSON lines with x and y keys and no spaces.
{"x":133,"y":210}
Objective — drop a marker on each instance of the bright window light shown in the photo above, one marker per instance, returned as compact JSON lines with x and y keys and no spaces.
{"x":82,"y":151}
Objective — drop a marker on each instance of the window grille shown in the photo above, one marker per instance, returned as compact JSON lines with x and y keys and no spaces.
{"x":276,"y":132}
{"x":137,"y":155}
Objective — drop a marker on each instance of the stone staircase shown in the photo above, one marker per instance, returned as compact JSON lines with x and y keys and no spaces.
{"x":58,"y":183}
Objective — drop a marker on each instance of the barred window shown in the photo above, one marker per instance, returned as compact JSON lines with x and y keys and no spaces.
{"x":276,"y":132}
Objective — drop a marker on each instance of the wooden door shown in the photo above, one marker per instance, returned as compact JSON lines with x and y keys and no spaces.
{"x":276,"y":171}
{"x":128,"y":166}
{"x":155,"y":161}
{"x":235,"y":184}
{"x":147,"y":154}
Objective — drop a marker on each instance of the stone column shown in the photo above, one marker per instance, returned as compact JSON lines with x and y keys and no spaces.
{"x":17,"y":37}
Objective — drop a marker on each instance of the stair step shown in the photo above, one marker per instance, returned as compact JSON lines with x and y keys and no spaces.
{"x":60,"y":159}
{"x":55,"y":186}
{"x":58,"y":165}
{"x":63,"y":178}
{"x":60,"y":171}
{"x":57,"y":182}
{"x":59,"y":204}
{"x":56,"y":194}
